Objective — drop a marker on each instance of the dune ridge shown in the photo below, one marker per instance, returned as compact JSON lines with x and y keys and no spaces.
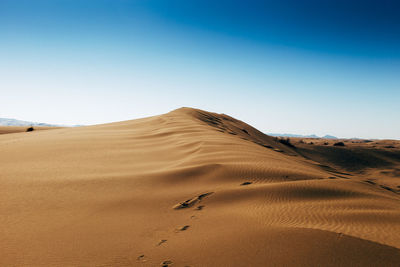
{"x":186,"y":188}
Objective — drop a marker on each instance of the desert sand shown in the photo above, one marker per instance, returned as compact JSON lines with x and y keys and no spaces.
{"x":194,"y":188}
{"x":21,"y":129}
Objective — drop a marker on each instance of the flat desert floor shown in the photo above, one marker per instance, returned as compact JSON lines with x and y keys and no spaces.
{"x":193,"y":188}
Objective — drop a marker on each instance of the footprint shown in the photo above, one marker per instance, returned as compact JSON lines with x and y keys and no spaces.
{"x":190,"y":202}
{"x":166,"y":263}
{"x":183,"y":228}
{"x":200,"y":197}
{"x":141,"y":258}
{"x":162,"y":242}
{"x":200,"y":207}
{"x":246,"y":183}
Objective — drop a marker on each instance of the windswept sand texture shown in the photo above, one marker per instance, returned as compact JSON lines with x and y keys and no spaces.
{"x":193,"y":188}
{"x":21,"y":129}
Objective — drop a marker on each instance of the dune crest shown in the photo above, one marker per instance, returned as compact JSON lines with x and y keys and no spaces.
{"x":187,"y":188}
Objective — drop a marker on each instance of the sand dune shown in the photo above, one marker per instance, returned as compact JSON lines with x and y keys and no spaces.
{"x":194,"y":188}
{"x":22,"y":129}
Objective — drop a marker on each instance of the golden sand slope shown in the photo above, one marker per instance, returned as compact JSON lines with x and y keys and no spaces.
{"x":188,"y":188}
{"x":21,"y":129}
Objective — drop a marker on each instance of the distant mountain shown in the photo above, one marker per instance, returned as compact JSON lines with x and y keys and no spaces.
{"x":293,"y":135}
{"x":329,"y":137}
{"x":303,"y":136}
{"x":14,"y":122}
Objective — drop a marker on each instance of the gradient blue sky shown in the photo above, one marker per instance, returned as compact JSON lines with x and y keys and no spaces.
{"x":283,"y":66}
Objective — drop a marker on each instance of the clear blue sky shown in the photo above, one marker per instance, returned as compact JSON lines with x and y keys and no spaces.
{"x":283,"y":66}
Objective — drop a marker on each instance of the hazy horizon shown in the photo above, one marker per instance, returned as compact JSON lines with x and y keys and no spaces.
{"x":303,"y":67}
